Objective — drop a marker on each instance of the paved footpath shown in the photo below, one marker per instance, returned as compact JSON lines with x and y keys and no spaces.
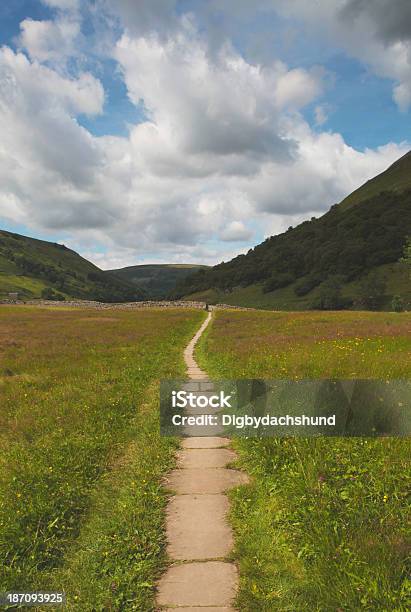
{"x":200,"y":579}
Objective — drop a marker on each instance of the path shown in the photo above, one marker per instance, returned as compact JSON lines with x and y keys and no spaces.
{"x":200,"y":579}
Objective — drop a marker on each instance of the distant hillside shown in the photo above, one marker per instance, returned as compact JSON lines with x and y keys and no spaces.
{"x":35,"y":267}
{"x":362,"y":237}
{"x":157,"y":280}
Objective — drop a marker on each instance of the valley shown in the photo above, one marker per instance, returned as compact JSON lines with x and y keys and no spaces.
{"x":205,"y":306}
{"x":157,"y":281}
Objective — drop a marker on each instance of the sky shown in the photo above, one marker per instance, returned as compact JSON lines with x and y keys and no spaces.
{"x":190,"y":130}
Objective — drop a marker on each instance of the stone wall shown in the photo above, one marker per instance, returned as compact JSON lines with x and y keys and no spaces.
{"x":122,"y":306}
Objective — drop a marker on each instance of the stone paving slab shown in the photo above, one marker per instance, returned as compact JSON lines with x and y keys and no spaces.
{"x":195,"y":410}
{"x":209,"y":583}
{"x":203,"y":386}
{"x":207,"y":386}
{"x":210,"y":442}
{"x":207,"y":393}
{"x":198,"y":376}
{"x":198,"y":481}
{"x":197,"y":527}
{"x":203,"y":430}
{"x":204,"y":457}
{"x":191,"y":386}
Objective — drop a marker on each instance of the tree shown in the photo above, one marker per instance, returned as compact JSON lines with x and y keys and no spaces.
{"x":407,"y":253}
{"x":330,"y":297}
{"x":397,"y":304}
{"x":49,"y":294}
{"x":277,"y":281}
{"x":371,"y":291}
{"x":307,"y":284}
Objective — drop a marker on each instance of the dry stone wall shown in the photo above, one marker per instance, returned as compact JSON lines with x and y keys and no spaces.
{"x":122,"y":306}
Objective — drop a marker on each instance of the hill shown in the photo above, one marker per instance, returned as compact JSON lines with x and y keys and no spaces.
{"x":157,"y":280}
{"x":397,"y":179}
{"x":354,"y":248}
{"x":36,"y":268}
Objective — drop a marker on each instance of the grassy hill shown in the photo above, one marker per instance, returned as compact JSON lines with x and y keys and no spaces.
{"x":330,"y":262}
{"x":36,"y":267}
{"x":156,"y":280}
{"x":397,"y":179}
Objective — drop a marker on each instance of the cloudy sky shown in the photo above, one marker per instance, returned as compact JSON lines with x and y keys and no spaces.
{"x":140,"y":131}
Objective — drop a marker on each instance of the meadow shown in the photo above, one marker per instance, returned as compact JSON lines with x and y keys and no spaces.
{"x":324,"y":523}
{"x":81,"y":459}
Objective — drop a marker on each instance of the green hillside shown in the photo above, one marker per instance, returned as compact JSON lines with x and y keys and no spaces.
{"x":157,"y":280}
{"x":330,"y":262}
{"x":397,"y":178}
{"x":36,"y":268}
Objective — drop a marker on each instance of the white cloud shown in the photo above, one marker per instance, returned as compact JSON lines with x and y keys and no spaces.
{"x":320,"y":115}
{"x":297,"y":88}
{"x":236,"y":231}
{"x":224,"y":108}
{"x":224,"y":143}
{"x":378,"y":33}
{"x":144,"y":16}
{"x":325,"y":171}
{"x":34,"y":87}
{"x":49,"y":40}
{"x":47,"y":158}
{"x":402,"y":95}
{"x":62,"y":4}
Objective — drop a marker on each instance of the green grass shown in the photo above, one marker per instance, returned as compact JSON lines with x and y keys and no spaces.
{"x":323,"y":526}
{"x":24,"y":285}
{"x":396,"y":178}
{"x":254,"y":297}
{"x":81,"y":506}
{"x":119,"y":553}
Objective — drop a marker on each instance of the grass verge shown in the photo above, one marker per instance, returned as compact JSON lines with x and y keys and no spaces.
{"x":323,"y":525}
{"x":73,"y":432}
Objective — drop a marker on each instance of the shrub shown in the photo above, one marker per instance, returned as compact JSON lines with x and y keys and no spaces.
{"x":49,"y":294}
{"x":306,"y":285}
{"x":397,"y":304}
{"x":372,"y":291}
{"x":277,"y":281}
{"x":330,"y":297}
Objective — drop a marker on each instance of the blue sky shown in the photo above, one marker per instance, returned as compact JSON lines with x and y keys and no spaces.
{"x":189,"y":131}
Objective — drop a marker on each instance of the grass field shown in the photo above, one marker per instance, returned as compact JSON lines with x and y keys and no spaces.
{"x":324,"y":524}
{"x":81,"y":460}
